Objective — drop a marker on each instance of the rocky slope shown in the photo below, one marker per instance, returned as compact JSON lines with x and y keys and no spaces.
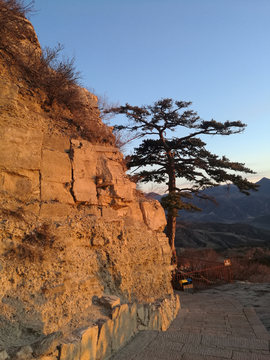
{"x":72,"y":225}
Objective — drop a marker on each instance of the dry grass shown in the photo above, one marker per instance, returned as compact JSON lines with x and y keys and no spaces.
{"x":18,"y":214}
{"x":252,"y":270}
{"x":34,"y":246}
{"x":52,"y":79}
{"x":251,"y":265}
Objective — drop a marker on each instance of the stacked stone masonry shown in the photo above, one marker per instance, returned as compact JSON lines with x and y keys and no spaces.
{"x":105,"y":337}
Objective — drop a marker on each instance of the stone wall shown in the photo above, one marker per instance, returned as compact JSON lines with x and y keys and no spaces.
{"x":105,"y":337}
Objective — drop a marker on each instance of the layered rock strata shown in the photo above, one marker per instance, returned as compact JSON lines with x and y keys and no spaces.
{"x":73,"y":227}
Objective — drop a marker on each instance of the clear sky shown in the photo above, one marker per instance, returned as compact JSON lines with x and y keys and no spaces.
{"x":215,"y":53}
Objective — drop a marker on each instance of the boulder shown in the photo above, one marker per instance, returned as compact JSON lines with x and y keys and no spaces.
{"x":24,"y":353}
{"x":3,"y":354}
{"x":46,"y":345}
{"x":154,"y":215}
{"x":109,"y":301}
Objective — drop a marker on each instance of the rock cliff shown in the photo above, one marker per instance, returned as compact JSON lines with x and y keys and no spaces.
{"x":73,"y":227}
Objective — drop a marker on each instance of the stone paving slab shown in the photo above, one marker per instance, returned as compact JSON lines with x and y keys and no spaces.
{"x":199,"y":357}
{"x":136,"y":345}
{"x":235,"y":342}
{"x":249,"y":356}
{"x":207,"y":351}
{"x":238,"y":321}
{"x":181,"y":337}
{"x":159,"y":354}
{"x":207,"y":327}
{"x":256,"y":296}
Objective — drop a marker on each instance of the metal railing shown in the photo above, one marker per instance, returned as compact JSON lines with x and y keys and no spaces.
{"x":203,"y":273}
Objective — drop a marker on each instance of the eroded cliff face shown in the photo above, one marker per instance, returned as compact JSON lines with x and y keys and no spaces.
{"x":72,"y":224}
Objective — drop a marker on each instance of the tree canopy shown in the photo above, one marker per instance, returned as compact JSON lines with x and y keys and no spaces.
{"x":163,"y":158}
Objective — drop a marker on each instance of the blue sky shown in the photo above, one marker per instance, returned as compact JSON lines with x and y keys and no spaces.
{"x":214,"y":53}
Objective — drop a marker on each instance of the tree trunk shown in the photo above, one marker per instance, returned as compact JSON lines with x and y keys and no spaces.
{"x":171,"y":219}
{"x":171,"y":226}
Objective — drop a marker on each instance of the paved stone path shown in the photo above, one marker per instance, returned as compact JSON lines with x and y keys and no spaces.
{"x":207,"y":327}
{"x":256,"y":295}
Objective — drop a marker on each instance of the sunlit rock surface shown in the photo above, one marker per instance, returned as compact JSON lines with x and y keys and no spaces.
{"x":72,"y":226}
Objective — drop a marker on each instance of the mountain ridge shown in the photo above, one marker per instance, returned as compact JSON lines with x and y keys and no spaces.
{"x":220,"y":236}
{"x":232,"y":207}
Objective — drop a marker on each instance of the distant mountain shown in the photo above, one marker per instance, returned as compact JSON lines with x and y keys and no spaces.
{"x":238,"y":220}
{"x":220,"y":236}
{"x":233,"y":206}
{"x":262,"y":222}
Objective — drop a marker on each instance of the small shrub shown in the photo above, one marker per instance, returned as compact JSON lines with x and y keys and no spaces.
{"x":40,"y":238}
{"x":104,"y":106}
{"x":18,"y":214}
{"x":58,"y":79}
{"x":40,"y":69}
{"x":34,"y":247}
{"x":203,"y":254}
{"x":12,"y":26}
{"x":246,"y":267}
{"x":55,"y":79}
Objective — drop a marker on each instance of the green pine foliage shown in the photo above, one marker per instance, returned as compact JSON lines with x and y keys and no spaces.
{"x":163,"y":158}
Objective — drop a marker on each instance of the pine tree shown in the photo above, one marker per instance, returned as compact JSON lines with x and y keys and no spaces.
{"x":160,"y":158}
